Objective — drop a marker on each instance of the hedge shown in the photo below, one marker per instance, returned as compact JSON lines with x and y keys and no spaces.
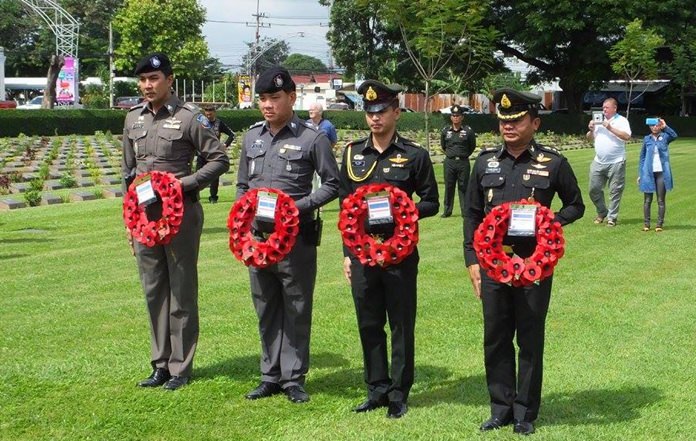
{"x":85,"y":122}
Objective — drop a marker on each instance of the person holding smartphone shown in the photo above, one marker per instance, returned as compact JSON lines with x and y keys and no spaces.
{"x":654,"y":170}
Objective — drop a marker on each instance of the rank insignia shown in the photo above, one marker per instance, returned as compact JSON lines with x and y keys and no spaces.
{"x":370,"y":95}
{"x":541,"y":158}
{"x":398,"y":159}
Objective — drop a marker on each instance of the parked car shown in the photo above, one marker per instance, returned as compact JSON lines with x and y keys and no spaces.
{"x":34,"y":103}
{"x":8,"y":104}
{"x":337,"y":106}
{"x":126,"y":102}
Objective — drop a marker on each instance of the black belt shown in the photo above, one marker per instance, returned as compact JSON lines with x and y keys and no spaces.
{"x":457,"y":158}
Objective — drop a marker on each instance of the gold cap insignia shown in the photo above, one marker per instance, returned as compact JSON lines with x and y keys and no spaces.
{"x":505,"y":102}
{"x":370,"y":95}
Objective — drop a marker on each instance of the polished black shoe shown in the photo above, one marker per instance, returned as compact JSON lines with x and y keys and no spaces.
{"x":213,"y":199}
{"x":370,"y":405}
{"x":263,"y":390}
{"x":175,"y":383}
{"x":397,"y":409}
{"x":297,"y":394}
{"x":494,"y":424}
{"x":158,"y":377}
{"x":523,"y":428}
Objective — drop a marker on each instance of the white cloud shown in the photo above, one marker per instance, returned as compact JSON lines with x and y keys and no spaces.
{"x":283,"y":19}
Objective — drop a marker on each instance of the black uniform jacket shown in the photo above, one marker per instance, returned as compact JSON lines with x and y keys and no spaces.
{"x":539,"y":172}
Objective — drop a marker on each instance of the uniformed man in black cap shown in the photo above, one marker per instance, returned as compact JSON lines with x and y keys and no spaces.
{"x":164,"y":134}
{"x":458,"y":142}
{"x":518,"y":169}
{"x":284,"y":152}
{"x":219,"y":127}
{"x":386,"y":293}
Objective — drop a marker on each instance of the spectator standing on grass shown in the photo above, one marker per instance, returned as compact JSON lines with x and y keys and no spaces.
{"x":655,"y":172}
{"x":219,"y":127}
{"x":608,"y":167}
{"x":325,"y":126}
{"x":519,"y":169}
{"x":164,"y":134}
{"x":283,"y":152}
{"x":386,"y":294}
{"x":458,"y":142}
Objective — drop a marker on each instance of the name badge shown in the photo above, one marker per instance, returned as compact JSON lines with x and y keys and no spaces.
{"x":266,"y":206}
{"x":146,"y":194}
{"x":379,"y":209}
{"x":522,"y":220}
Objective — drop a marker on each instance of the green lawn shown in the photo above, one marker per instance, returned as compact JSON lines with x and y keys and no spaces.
{"x":74,"y":337}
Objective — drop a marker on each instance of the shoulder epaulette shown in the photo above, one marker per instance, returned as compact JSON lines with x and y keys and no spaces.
{"x":140,"y":105}
{"x":549,"y":149}
{"x":192,"y":107}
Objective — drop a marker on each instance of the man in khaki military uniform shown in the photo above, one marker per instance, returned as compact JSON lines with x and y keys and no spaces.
{"x":164,"y":134}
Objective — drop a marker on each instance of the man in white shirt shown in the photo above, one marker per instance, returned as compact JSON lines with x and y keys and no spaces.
{"x":609,"y":164}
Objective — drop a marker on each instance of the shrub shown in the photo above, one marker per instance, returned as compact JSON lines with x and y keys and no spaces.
{"x":67,"y":180}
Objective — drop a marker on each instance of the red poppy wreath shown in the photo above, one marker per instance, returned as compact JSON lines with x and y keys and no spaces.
{"x":372,"y":250}
{"x":256,"y":252}
{"x":161,"y":231}
{"x":514,"y":270}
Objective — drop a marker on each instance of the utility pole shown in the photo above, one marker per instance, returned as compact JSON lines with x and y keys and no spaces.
{"x":257,"y":39}
{"x":111,"y":67}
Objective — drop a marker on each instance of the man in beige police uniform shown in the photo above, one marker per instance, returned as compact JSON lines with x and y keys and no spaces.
{"x":164,"y":134}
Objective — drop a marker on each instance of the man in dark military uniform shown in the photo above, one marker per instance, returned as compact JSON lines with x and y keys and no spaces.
{"x":386,"y":293}
{"x":283,"y":152}
{"x":219,"y":127}
{"x":164,"y":134}
{"x":458,"y":142}
{"x":518,"y":169}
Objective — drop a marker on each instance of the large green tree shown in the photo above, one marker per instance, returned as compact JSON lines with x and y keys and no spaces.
{"x":562,"y":40}
{"x":172,"y":27}
{"x":269,"y":52}
{"x":633,"y":56}
{"x":29,"y":41}
{"x":300,"y":63}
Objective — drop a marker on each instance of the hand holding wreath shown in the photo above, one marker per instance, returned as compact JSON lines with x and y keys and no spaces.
{"x":160,"y":231}
{"x":514,"y":270}
{"x":256,"y":252}
{"x":372,"y":250}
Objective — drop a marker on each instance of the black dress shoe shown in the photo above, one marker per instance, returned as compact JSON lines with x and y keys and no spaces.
{"x":369,"y":405}
{"x":213,"y":199}
{"x":158,"y":377}
{"x":297,"y":394}
{"x":263,"y":390}
{"x":175,"y":383}
{"x":523,"y":428}
{"x":494,"y":423}
{"x":397,"y":409}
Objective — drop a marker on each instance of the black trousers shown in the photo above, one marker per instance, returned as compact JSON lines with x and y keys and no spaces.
{"x":382,"y":294}
{"x":456,"y":175}
{"x":648,"y":198}
{"x":510,"y":312}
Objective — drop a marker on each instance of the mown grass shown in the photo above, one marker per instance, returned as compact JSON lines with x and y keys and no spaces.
{"x":74,"y":334}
